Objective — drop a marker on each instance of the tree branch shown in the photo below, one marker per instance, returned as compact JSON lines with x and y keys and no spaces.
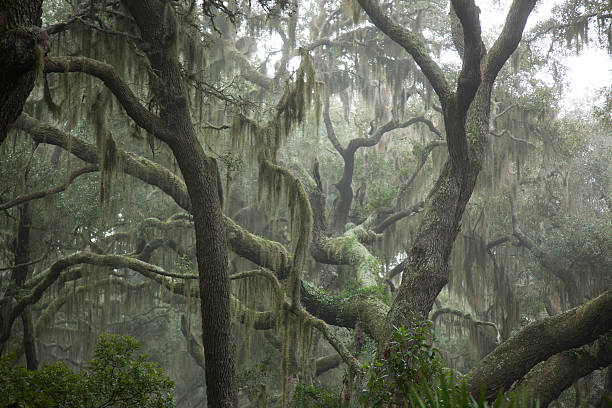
{"x":546,"y":381}
{"x":422,"y":160}
{"x":411,"y":43}
{"x":40,"y":194}
{"x":509,"y":38}
{"x":392,"y":219}
{"x":538,"y":341}
{"x":466,"y":316}
{"x":549,"y":262}
{"x":473,"y":51}
{"x":106,"y":73}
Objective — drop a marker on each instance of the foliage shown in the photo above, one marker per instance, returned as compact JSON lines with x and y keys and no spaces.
{"x":412,"y":374}
{"x":410,"y":359}
{"x":116,"y":377}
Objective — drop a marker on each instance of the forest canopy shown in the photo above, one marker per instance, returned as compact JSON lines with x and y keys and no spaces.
{"x":291,"y":203}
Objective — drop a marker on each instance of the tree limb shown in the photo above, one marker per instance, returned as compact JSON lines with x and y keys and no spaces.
{"x":546,"y":381}
{"x":473,"y":51}
{"x":392,"y":219}
{"x":509,"y":38}
{"x":466,"y":316}
{"x":40,"y":194}
{"x":538,"y":341}
{"x":107,"y":74}
{"x":411,"y":43}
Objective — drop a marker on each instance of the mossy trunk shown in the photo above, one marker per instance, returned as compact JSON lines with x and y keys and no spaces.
{"x":426,"y":271}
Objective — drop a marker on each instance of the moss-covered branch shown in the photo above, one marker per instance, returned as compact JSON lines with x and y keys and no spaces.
{"x":13,"y":306}
{"x":345,"y":310}
{"x":268,"y":254}
{"x":547,"y":380}
{"x":509,"y":38}
{"x":539,"y":341}
{"x":347,"y":250}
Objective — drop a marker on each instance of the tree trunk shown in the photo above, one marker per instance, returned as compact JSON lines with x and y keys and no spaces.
{"x":20,"y":273}
{"x":20,"y":54}
{"x":203,"y":185}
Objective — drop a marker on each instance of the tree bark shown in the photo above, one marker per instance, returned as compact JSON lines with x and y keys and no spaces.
{"x":20,"y":56}
{"x":539,"y":341}
{"x":548,"y":380}
{"x":19,"y":276}
{"x":201,"y":178}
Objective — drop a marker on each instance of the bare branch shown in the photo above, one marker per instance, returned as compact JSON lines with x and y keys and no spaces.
{"x":392,"y":219}
{"x":466,"y":316}
{"x":40,"y":194}
{"x":422,"y":160}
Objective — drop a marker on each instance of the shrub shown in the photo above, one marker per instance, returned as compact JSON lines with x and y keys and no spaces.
{"x":115,"y":377}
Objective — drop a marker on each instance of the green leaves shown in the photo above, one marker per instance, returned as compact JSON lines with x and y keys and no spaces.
{"x":410,"y":359}
{"x":116,"y":377}
{"x":411,"y":373}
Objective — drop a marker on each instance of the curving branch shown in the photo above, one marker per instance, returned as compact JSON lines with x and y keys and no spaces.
{"x":466,"y":316}
{"x":411,"y":43}
{"x":47,"y":316}
{"x":40,"y":194}
{"x":107,"y":74}
{"x":307,"y":318}
{"x":11,"y":311}
{"x":326,"y":363}
{"x":344,"y":185}
{"x":269,"y":254}
{"x":400,"y":215}
{"x":136,"y":166}
{"x":194,"y":347}
{"x":422,"y":160}
{"x":549,"y":262}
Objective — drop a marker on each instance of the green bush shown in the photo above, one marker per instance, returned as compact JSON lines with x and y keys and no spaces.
{"x":116,"y":377}
{"x":410,"y":359}
{"x":412,"y":374}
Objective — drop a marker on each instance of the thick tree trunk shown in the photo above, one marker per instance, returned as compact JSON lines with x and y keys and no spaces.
{"x":20,"y":54}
